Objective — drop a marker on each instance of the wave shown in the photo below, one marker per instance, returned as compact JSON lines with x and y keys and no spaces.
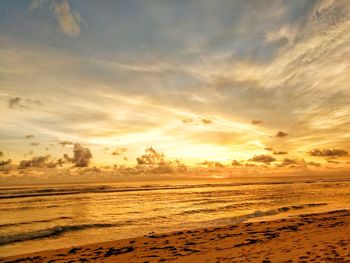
{"x":9,"y":193}
{"x":50,"y":232}
{"x":256,"y":214}
{"x":240,"y":205}
{"x":27,"y":208}
{"x":35,"y":221}
{"x":210,"y":210}
{"x":59,"y":230}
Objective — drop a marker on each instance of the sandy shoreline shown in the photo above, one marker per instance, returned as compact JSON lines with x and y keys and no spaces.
{"x":323,"y":237}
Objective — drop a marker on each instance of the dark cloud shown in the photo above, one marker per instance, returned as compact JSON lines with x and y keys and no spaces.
{"x":151,"y":157}
{"x":5,"y":166}
{"x":1,"y":154}
{"x":36,"y":161}
{"x":65,"y":143}
{"x":119,"y":151}
{"x":332,"y":161}
{"x":263,"y":158}
{"x":212,"y":164}
{"x":154,"y":162}
{"x":287,"y":162}
{"x":236,"y":163}
{"x":279,"y":152}
{"x":328,"y":152}
{"x":30,"y":136}
{"x":17,"y":102}
{"x":82,"y":155}
{"x":34,"y":144}
{"x":3,"y":163}
{"x":256,"y":122}
{"x":206,"y":121}
{"x":66,"y":159}
{"x":268,"y":149}
{"x":187,"y":120}
{"x":314,"y":164}
{"x":281,"y":134}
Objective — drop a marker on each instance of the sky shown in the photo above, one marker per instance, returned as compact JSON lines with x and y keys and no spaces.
{"x":208,"y":83}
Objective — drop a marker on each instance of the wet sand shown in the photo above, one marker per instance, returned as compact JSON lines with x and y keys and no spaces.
{"x":321,"y":237}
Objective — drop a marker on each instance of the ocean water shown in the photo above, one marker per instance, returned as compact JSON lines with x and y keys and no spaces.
{"x":40,"y":217}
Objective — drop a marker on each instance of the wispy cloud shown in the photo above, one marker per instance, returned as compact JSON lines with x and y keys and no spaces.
{"x":69,"y":20}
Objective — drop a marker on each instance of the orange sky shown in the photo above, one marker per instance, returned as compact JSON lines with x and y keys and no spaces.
{"x":257,"y":84}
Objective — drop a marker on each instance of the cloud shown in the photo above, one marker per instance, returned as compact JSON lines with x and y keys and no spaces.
{"x":151,"y":157}
{"x":1,"y":154}
{"x":285,"y":33}
{"x":34,"y":143}
{"x":328,"y":152}
{"x":30,"y":136}
{"x":281,"y":134}
{"x":263,"y":158}
{"x":279,"y":152}
{"x":314,"y":164}
{"x":68,"y":20}
{"x":17,"y":102}
{"x":81,"y":158}
{"x":332,"y":161}
{"x":37,"y":4}
{"x":36,"y":161}
{"x":287,"y":162}
{"x":187,"y":120}
{"x":119,"y":151}
{"x":3,"y":163}
{"x":268,"y":149}
{"x":154,"y":162}
{"x":82,"y":155}
{"x":297,"y":163}
{"x":5,"y":166}
{"x":236,"y":163}
{"x":65,"y":159}
{"x":206,"y":121}
{"x":14,"y":102}
{"x":256,"y":122}
{"x":65,"y":143}
{"x":212,"y":164}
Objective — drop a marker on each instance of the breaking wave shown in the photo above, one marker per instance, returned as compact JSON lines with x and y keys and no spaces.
{"x":35,"y":221}
{"x":49,"y":232}
{"x":256,"y":214}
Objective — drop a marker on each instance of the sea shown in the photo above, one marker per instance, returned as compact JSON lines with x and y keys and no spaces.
{"x":51,"y":216}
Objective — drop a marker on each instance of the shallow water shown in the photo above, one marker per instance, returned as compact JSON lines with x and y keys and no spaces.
{"x":34,"y":218}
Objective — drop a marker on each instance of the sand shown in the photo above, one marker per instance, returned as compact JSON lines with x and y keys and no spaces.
{"x":321,"y":237}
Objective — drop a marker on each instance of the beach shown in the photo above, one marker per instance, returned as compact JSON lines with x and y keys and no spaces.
{"x":174,"y":131}
{"x":320,"y":237}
